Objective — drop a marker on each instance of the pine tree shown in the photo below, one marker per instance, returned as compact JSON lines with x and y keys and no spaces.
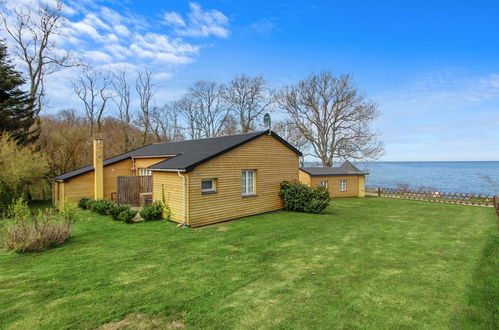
{"x":16,"y":112}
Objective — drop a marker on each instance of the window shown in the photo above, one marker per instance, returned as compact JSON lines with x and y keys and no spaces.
{"x":145,"y":172}
{"x":248,"y":181}
{"x":208,"y":186}
{"x":324,"y":183}
{"x":343,"y":185}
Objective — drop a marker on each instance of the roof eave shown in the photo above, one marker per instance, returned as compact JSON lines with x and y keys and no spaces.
{"x":168,"y":169}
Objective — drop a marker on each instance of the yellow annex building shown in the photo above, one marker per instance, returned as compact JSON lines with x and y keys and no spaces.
{"x":344,"y":181}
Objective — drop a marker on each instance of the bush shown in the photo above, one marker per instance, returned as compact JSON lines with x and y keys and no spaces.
{"x":117,"y":209}
{"x":27,"y":232}
{"x":127,"y":216}
{"x":84,"y":203}
{"x":152,"y":212}
{"x":101,"y":206}
{"x":302,"y":198}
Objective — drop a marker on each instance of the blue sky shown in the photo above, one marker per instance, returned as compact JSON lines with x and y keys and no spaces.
{"x":432,"y":66}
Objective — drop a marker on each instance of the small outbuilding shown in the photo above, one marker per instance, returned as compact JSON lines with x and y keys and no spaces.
{"x":344,"y":181}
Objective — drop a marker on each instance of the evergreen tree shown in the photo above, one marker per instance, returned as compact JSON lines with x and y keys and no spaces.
{"x":16,"y":112}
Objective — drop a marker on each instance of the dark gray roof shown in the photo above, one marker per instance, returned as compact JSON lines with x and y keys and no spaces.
{"x":186,"y":155}
{"x":195,"y":152}
{"x":346,"y":168}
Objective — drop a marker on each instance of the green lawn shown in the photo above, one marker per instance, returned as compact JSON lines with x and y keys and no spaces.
{"x":366,"y":263}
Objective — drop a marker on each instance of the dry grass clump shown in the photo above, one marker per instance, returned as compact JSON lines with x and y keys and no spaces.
{"x":23,"y":231}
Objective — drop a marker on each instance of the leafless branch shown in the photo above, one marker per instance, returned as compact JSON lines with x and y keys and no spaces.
{"x":333,"y":116}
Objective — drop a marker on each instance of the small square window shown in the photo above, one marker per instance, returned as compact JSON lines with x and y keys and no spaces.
{"x":145,"y":172}
{"x":343,"y":185}
{"x":324,"y":183}
{"x":208,"y":186}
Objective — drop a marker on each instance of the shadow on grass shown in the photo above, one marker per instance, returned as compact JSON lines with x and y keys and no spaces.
{"x":482,"y":296}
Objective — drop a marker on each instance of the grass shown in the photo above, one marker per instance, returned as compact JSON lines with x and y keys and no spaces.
{"x":366,"y":263}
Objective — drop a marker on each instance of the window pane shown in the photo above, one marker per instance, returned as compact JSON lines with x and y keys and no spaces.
{"x":250,"y":188}
{"x":244,"y":182}
{"x":207,"y":184}
{"x":248,"y":182}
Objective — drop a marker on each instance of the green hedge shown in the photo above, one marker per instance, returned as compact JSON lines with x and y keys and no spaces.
{"x":152,"y":212}
{"x":302,"y":198}
{"x":117,"y":212}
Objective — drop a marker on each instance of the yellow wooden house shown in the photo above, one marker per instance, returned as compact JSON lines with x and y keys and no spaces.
{"x":203,"y":181}
{"x":344,"y":181}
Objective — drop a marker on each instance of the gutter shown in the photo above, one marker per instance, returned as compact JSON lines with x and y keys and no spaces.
{"x":165,"y":170}
{"x":184,"y":199}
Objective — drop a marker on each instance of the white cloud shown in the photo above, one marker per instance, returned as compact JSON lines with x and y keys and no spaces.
{"x":263,"y":27}
{"x":97,"y":56}
{"x":174,"y":19}
{"x":446,"y":113}
{"x":199,"y":22}
{"x":108,"y":39}
{"x":121,"y":30}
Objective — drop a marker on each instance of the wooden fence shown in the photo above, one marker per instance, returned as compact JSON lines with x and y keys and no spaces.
{"x":436,"y":196}
{"x":129,"y":188}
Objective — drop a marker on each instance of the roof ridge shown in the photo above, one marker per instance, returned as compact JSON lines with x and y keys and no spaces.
{"x":212,"y":137}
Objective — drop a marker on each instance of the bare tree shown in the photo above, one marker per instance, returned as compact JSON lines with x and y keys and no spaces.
{"x":165,"y":123}
{"x":333,"y":116}
{"x":92,"y":88}
{"x":187,"y":109}
{"x":34,"y":33}
{"x":122,"y":100}
{"x":145,"y":89}
{"x":289,"y":132}
{"x":211,"y":111}
{"x":248,"y":98}
{"x":230,"y":126}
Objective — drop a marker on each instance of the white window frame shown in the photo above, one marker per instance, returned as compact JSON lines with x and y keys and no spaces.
{"x":248,"y":182}
{"x":324,"y":183}
{"x":343,"y":185}
{"x":213,"y":188}
{"x":145,"y":172}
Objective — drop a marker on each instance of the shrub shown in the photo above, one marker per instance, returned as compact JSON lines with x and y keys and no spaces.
{"x":26,"y":232}
{"x":117,"y":209}
{"x":22,"y":168}
{"x":68,"y":211}
{"x":19,"y":210}
{"x":152,"y":212}
{"x":101,"y":206}
{"x":84,"y":203}
{"x":127,"y":216}
{"x":302,"y":198}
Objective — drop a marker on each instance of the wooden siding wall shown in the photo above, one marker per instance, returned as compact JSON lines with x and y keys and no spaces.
{"x":273,"y":162}
{"x":146,"y":162}
{"x":304,"y":177}
{"x":83,"y":185}
{"x":172,"y":185}
{"x":334,"y":184}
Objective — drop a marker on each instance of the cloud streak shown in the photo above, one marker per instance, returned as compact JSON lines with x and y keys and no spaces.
{"x":198,"y":23}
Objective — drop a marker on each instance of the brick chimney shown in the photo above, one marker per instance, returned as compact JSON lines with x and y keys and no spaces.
{"x":98,"y":169}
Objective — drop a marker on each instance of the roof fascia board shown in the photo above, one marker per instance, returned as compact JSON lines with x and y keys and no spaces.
{"x":158,"y":156}
{"x":167,"y":169}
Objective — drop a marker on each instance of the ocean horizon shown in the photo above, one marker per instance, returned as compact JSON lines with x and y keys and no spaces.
{"x":443,"y":176}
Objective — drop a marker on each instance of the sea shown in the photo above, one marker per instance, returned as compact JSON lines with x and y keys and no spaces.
{"x":456,"y":176}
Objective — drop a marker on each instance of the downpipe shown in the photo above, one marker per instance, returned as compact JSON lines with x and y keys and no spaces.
{"x":184,"y":198}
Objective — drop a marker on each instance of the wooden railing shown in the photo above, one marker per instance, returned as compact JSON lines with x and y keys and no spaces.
{"x":436,"y":196}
